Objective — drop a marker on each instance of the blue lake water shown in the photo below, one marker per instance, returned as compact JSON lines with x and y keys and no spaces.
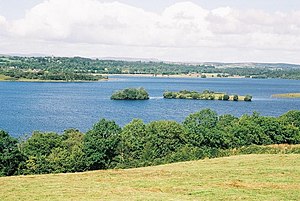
{"x":25,"y":107}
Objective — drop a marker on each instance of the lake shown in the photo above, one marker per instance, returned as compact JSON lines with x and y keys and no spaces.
{"x":29,"y":106}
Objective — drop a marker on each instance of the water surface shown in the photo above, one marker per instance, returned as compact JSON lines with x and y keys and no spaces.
{"x":26,"y":106}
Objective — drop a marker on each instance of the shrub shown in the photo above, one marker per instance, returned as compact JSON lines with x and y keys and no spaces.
{"x":248,"y":98}
{"x":226,"y":97}
{"x":235,"y":98}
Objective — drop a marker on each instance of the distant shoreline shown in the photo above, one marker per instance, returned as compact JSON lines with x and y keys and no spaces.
{"x":208,"y":75}
{"x":286,"y":95}
{"x":47,"y":81}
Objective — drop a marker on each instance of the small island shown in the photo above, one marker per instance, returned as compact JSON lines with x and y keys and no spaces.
{"x":287,"y":95}
{"x":205,"y":95}
{"x":131,"y":94}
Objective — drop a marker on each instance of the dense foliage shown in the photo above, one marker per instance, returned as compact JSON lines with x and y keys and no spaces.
{"x":205,"y":95}
{"x":63,"y":68}
{"x":106,"y":145}
{"x":10,"y":155}
{"x":131,"y":94}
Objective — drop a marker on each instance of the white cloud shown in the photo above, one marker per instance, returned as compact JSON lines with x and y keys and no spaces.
{"x":3,"y":25}
{"x":185,"y":29}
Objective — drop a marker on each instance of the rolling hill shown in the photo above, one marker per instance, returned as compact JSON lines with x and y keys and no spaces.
{"x":245,"y":177}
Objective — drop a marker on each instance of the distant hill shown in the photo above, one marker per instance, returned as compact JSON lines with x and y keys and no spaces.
{"x":216,"y":64}
{"x":253,"y":65}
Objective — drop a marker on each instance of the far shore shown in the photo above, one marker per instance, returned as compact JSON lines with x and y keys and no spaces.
{"x":208,"y":75}
{"x":44,"y":81}
{"x":287,"y":95}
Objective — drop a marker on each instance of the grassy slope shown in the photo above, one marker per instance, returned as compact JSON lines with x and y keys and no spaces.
{"x":250,"y":177}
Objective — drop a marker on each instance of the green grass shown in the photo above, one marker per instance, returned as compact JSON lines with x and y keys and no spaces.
{"x":288,"y":95}
{"x":244,"y":177}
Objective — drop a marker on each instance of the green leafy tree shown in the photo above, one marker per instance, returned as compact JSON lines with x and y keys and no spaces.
{"x":247,"y":131}
{"x":198,"y":124}
{"x":132,"y":142}
{"x":235,"y":98}
{"x":40,"y":144}
{"x":69,"y":157}
{"x":272,"y":127}
{"x":248,"y":98}
{"x":163,"y":138}
{"x":10,"y":156}
{"x":291,"y":118}
{"x":291,"y":134}
{"x":225,"y":97}
{"x":36,"y":149}
{"x":100,"y":145}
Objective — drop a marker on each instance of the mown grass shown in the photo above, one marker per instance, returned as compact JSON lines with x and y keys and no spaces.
{"x":244,"y":177}
{"x":287,"y":95}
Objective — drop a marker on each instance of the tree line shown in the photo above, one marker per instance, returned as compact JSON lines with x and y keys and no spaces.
{"x":38,"y":67}
{"x":107,"y":145}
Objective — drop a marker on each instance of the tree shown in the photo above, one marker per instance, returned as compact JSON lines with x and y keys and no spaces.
{"x":132,"y":142}
{"x":272,"y":127}
{"x":235,"y":98}
{"x":247,"y":131}
{"x":10,"y":156}
{"x":225,"y":97}
{"x":248,"y":98}
{"x":198,"y":124}
{"x":100,"y":145}
{"x":224,"y":126}
{"x":69,"y":157}
{"x":291,"y":117}
{"x":40,"y":144}
{"x":163,"y":138}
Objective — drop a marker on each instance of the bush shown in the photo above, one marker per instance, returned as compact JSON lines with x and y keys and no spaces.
{"x":235,"y":98}
{"x":248,"y":98}
{"x":225,"y":97}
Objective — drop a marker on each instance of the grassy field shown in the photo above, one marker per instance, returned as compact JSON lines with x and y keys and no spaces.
{"x":288,"y":95}
{"x":246,"y":177}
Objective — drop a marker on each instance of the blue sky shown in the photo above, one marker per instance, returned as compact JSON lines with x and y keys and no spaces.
{"x":194,"y":30}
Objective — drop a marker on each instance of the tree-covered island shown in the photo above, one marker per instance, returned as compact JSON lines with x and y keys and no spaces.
{"x":131,"y":94}
{"x":205,"y":95}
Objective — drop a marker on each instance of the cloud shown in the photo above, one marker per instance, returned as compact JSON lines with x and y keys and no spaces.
{"x":180,"y":27}
{"x":3,"y":24}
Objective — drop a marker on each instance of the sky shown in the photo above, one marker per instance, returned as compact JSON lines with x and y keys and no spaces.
{"x":170,"y":30}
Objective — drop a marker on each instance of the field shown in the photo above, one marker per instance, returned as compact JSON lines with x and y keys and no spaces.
{"x":246,"y":177}
{"x":288,"y":95}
